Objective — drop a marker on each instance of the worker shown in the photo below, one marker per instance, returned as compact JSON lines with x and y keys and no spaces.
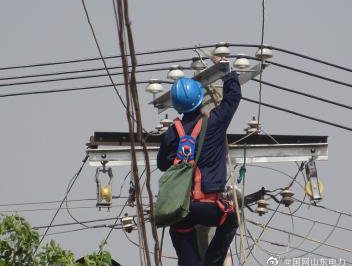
{"x":209,"y":209}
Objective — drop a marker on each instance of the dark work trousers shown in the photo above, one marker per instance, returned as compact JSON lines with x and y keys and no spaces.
{"x":185,"y":243}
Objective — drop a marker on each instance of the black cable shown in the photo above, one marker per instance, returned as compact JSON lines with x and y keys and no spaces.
{"x":325,"y":208}
{"x":74,"y":223}
{"x":84,"y":76}
{"x":297,"y":114}
{"x":309,"y":73}
{"x":144,"y":82}
{"x":310,"y":58}
{"x":311,"y":220}
{"x":67,"y":89}
{"x":51,"y":209}
{"x":261,"y":62}
{"x":118,"y":56}
{"x":276,"y":170}
{"x":54,"y":201}
{"x":74,"y":178}
{"x":84,"y":228}
{"x":304,"y":94}
{"x":76,"y":77}
{"x":177,"y":50}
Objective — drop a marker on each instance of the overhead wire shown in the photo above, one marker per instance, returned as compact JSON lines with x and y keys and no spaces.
{"x":300,"y":236}
{"x":297,"y":114}
{"x":262,"y":60}
{"x":54,"y":201}
{"x":303,"y":94}
{"x":89,"y":59}
{"x":51,"y":209}
{"x":79,"y":77}
{"x":66,"y":89}
{"x":325,"y":208}
{"x":316,"y":221}
{"x":74,"y":179}
{"x":309,"y":73}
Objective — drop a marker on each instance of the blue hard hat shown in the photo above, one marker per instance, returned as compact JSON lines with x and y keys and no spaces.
{"x":186,"y":95}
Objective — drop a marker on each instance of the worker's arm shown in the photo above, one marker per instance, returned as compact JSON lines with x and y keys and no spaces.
{"x":165,"y":155}
{"x":224,"y":112}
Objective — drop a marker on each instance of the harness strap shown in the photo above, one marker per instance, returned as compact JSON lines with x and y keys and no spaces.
{"x":179,"y":127}
{"x":197,"y":128}
{"x":181,"y":133}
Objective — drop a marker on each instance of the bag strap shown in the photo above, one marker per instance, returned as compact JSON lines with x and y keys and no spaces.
{"x":203,"y":130}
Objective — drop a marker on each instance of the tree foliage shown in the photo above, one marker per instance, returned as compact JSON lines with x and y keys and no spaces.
{"x":19,"y":242}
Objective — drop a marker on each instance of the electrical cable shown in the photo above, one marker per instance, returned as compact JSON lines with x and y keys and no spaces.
{"x":78,"y":77}
{"x":300,"y":236}
{"x":313,"y":221}
{"x":310,"y":58}
{"x":296,"y":113}
{"x":300,"y":249}
{"x":262,"y":61}
{"x":325,"y":208}
{"x":80,"y":60}
{"x":54,"y":201}
{"x":67,"y":89}
{"x":82,"y":228}
{"x":304,"y":94}
{"x":276,"y":170}
{"x":75,"y":223}
{"x":51,"y":209}
{"x":74,"y":179}
{"x":309,"y":73}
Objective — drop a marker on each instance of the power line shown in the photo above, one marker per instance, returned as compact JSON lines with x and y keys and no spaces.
{"x":298,"y":114}
{"x":74,"y":78}
{"x":53,"y":201}
{"x":261,"y":62}
{"x":75,"y":223}
{"x":309,"y":73}
{"x":67,"y":89}
{"x":74,"y":178}
{"x":304,"y":94}
{"x":144,"y":82}
{"x":178,"y":50}
{"x":51,"y":209}
{"x":325,"y":208}
{"x":300,"y":236}
{"x":310,"y":58}
{"x":312,"y":220}
{"x":95,"y":69}
{"x":110,"y":57}
{"x":84,"y":228}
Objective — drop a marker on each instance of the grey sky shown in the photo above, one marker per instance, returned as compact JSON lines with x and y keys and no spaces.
{"x":43,"y":137}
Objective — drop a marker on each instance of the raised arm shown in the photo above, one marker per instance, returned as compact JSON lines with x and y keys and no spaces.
{"x":224,"y":112}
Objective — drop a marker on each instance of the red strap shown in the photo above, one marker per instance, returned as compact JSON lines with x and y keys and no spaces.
{"x":197,"y":128}
{"x":182,"y":230}
{"x":179,"y":127}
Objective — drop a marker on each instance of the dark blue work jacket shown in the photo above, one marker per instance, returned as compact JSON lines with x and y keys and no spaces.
{"x":212,"y":161}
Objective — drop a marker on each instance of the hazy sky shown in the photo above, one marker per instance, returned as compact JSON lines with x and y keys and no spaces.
{"x":43,"y":137}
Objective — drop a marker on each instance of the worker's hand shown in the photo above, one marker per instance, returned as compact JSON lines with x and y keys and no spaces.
{"x":217,"y":59}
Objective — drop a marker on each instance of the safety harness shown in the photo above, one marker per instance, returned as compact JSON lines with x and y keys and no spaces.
{"x":185,"y":153}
